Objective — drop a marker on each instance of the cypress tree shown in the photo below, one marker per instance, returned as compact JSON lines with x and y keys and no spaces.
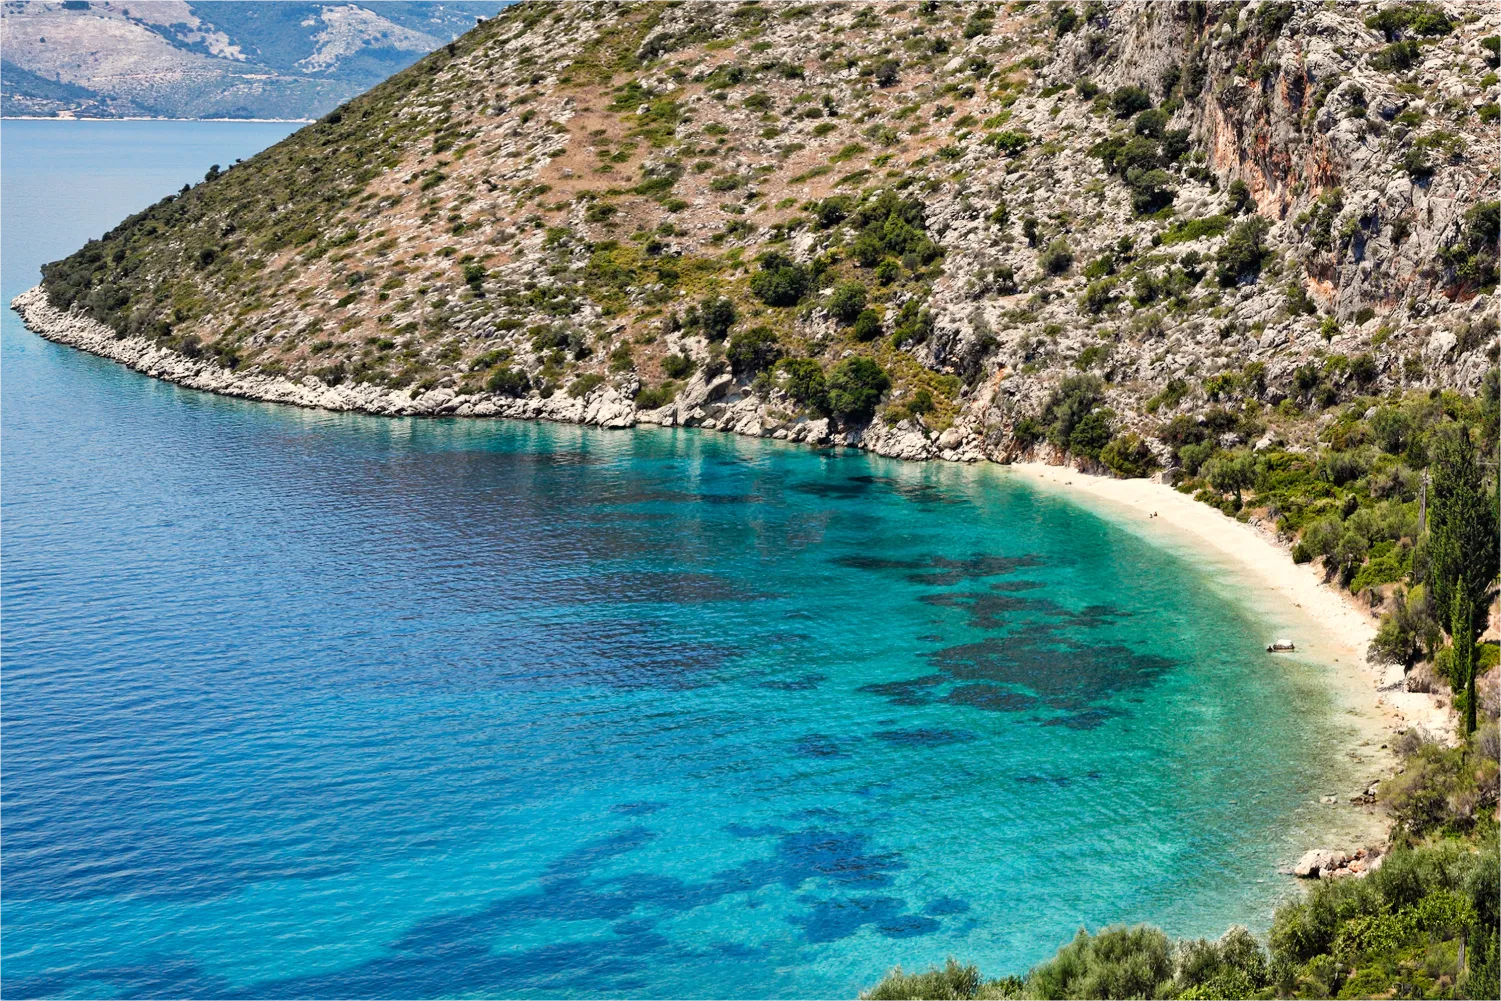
{"x":1460,"y":627}
{"x":1462,"y":549}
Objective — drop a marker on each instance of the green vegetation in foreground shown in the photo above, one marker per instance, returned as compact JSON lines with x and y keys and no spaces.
{"x":1423,"y":925}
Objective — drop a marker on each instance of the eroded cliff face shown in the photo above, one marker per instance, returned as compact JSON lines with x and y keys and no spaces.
{"x":930,"y":229}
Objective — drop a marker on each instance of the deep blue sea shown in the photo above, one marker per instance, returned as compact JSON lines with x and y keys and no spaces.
{"x":314,"y":705}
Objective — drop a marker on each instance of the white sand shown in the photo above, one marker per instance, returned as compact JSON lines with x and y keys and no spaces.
{"x":1149,"y":506}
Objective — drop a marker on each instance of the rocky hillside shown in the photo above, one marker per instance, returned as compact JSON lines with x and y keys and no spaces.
{"x":930,"y":229}
{"x":211,"y":60}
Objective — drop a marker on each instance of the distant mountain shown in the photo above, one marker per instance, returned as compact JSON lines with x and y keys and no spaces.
{"x":226,"y":59}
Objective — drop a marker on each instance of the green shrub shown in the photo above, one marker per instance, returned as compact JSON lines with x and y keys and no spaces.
{"x":1408,"y":630}
{"x":1410,"y":19}
{"x":1432,"y":784}
{"x":855,"y":386}
{"x":1244,"y":250}
{"x":1099,"y":296}
{"x":1128,"y":456}
{"x":1193,"y":229}
{"x":653,"y":398}
{"x":1271,"y":17}
{"x":1151,"y":123}
{"x":1117,"y":963}
{"x":1127,"y":101}
{"x":803,"y":381}
{"x":1240,"y":200}
{"x":585,"y":384}
{"x":846,"y":302}
{"x":833,"y":210}
{"x":867,"y":325}
{"x":960,"y":983}
{"x":1397,"y":56}
{"x":781,"y":281}
{"x":716,"y":316}
{"x":1068,"y":404}
{"x":753,"y":351}
{"x":677,"y":366}
{"x":508,"y":382}
{"x":1008,"y":142}
{"x":891,"y":226}
{"x":1194,"y":455}
{"x":1057,"y":258}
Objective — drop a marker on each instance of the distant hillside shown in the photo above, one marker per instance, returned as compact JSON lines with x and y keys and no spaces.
{"x":212,"y":60}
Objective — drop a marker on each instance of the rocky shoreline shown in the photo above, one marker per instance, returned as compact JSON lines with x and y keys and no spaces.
{"x":717,"y":404}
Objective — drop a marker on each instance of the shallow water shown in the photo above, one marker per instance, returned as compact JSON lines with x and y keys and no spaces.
{"x":302,"y":704}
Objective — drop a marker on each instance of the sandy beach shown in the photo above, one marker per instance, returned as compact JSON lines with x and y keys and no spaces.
{"x":1153,"y":507}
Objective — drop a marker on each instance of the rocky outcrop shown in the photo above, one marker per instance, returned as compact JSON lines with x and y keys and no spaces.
{"x":1328,"y":863}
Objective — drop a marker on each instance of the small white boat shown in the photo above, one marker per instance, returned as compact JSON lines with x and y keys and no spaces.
{"x":1280,"y":646}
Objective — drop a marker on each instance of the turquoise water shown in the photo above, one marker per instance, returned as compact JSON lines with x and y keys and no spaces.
{"x":302,"y":704}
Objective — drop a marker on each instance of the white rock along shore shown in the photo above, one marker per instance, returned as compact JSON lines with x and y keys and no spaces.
{"x":716,"y":404}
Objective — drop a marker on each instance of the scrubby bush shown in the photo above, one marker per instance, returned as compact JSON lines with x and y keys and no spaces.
{"x":1057,"y":258}
{"x":654,"y":397}
{"x":867,"y":325}
{"x":1127,"y":101}
{"x":677,"y":366}
{"x":846,"y":302}
{"x":855,"y":386}
{"x":1414,"y":19}
{"x":752,"y":351}
{"x":1151,"y":123}
{"x":1408,"y":632}
{"x":1098,"y":296}
{"x":1243,"y":252}
{"x":951,"y":982}
{"x":803,"y":381}
{"x":585,"y":384}
{"x":1129,"y":456}
{"x":1240,"y":200}
{"x":508,"y":382}
{"x":715,"y":317}
{"x":1117,"y":963}
{"x":781,"y":280}
{"x":1066,"y":407}
{"x":1139,"y":161}
{"x":1442,"y":788}
{"x":892,"y":226}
